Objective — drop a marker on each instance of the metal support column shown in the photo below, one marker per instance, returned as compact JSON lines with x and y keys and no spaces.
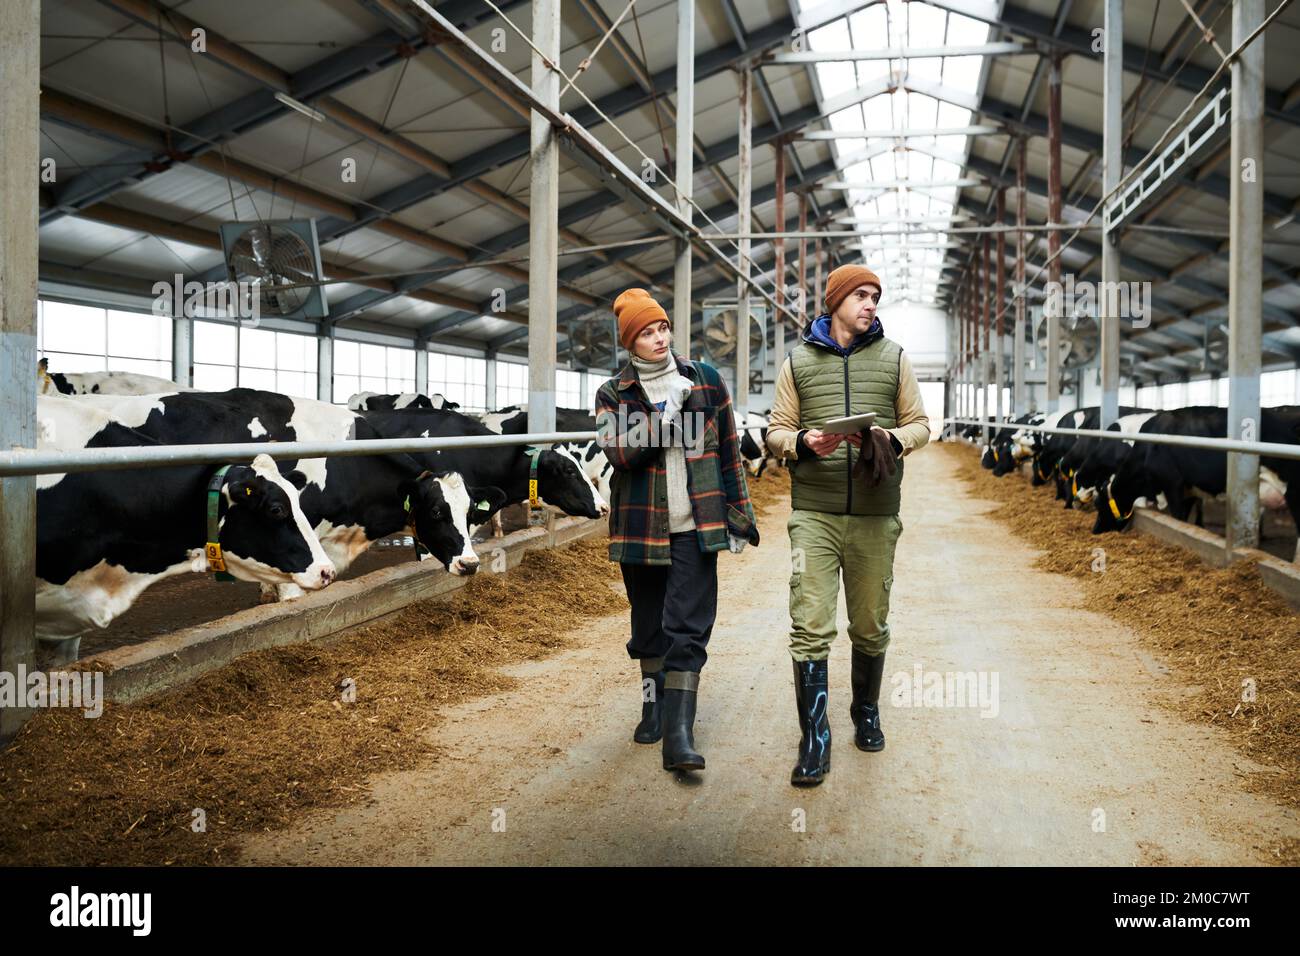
{"x":1245,"y":272}
{"x":684,"y":173}
{"x":490,"y":381}
{"x":1112,"y":169}
{"x":1050,"y":315}
{"x":778,"y":327}
{"x":20,"y":70}
{"x":325,"y":367}
{"x":543,"y":221}
{"x":803,"y":262}
{"x":743,"y":186}
{"x":999,"y":308}
{"x":986,"y":297}
{"x":422,"y":369}
{"x":183,"y":350}
{"x":1019,"y":398}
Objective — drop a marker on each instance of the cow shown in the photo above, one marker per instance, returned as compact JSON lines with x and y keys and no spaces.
{"x":997,"y":451}
{"x":753,"y":443}
{"x":103,"y":537}
{"x":1073,"y":449}
{"x":1092,"y":461}
{"x":100,"y":383}
{"x":1182,"y":474}
{"x":350,"y":501}
{"x":1012,"y":445}
{"x":513,"y":420}
{"x":561,"y":480}
{"x":373,"y":402}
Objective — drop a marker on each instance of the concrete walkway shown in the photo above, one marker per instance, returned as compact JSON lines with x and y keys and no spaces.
{"x":1074,"y":765}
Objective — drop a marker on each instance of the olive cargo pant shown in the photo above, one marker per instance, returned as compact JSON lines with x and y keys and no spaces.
{"x":822,"y":546}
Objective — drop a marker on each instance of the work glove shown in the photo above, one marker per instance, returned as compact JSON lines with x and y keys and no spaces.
{"x":679,"y":389}
{"x":876,"y":458}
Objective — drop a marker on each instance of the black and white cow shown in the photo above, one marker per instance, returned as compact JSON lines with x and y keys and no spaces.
{"x":1092,"y":461}
{"x":998,"y":448}
{"x":100,"y":383}
{"x":349,"y":501}
{"x":1078,"y":449}
{"x":1013,"y":445}
{"x":561,"y":481}
{"x":753,"y":443}
{"x":105,"y":536}
{"x":513,"y":420}
{"x":1182,"y":475}
{"x":374,"y":402}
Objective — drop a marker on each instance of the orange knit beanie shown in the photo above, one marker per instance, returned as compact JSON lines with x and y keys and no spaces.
{"x":844,"y":280}
{"x":635,"y":309}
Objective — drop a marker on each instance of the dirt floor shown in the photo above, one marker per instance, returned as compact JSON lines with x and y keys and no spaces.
{"x":1088,"y":757}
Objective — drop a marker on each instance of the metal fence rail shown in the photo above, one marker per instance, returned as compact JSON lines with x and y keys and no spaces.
{"x":34,"y":461}
{"x":1264,"y":448}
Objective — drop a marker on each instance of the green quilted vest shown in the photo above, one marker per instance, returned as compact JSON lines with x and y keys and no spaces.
{"x":833,"y":386}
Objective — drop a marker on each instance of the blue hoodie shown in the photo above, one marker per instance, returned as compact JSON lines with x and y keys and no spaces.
{"x":818,"y":332}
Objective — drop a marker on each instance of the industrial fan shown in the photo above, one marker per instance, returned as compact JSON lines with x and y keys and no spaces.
{"x":592,"y":343}
{"x":280,"y":260}
{"x":720,"y":334}
{"x":1215,"y":341}
{"x":1079,"y":342}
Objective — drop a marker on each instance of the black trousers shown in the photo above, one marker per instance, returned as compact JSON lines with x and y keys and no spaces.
{"x":674,"y":606}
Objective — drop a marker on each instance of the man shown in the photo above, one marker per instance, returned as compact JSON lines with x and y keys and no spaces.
{"x":845,"y":515}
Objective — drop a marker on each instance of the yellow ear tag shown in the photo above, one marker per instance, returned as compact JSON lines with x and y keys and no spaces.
{"x":532,"y":492}
{"x":215,"y":561}
{"x":247,"y":492}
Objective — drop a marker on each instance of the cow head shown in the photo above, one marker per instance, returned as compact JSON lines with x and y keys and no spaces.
{"x":562,"y":482}
{"x":441,"y":510}
{"x":263,"y":533}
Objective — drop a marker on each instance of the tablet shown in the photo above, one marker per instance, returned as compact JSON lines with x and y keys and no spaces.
{"x":850,"y":425}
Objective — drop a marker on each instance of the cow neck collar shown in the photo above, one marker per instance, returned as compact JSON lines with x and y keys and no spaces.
{"x":212,"y":546}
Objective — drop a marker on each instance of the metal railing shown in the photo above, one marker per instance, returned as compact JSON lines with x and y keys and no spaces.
{"x":35,"y":461}
{"x":1264,"y":448}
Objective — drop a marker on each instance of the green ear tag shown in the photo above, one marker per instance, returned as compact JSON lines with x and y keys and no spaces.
{"x":484,"y":505}
{"x":406,"y":505}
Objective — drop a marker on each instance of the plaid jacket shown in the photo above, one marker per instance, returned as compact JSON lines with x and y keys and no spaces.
{"x":638,"y":516}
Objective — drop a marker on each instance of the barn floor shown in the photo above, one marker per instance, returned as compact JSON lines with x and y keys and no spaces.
{"x":1081,"y":764}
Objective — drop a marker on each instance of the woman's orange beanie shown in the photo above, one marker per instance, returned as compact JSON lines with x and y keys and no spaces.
{"x":844,"y":280}
{"x":635,"y":309}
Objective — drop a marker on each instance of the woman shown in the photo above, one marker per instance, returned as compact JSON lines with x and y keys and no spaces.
{"x":678,"y":498}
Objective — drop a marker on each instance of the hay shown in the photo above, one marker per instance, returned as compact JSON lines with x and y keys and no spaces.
{"x":1214,"y":628}
{"x":260,"y":740}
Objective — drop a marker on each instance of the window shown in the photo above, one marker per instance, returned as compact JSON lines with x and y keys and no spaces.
{"x":1276,"y":388}
{"x":568,"y":389}
{"x":359,"y":367}
{"x":1201,"y":392}
{"x":460,"y":379}
{"x":1148,"y":396}
{"x":1173,"y":395}
{"x":227,"y":355}
{"x":512,"y":384}
{"x":78,"y":338}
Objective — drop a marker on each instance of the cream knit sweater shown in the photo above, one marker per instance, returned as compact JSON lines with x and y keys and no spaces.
{"x":655,"y":378}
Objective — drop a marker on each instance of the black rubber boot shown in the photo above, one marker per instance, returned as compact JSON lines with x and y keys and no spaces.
{"x":651,"y":727}
{"x":680,"y":689}
{"x":811,"y":696}
{"x":865,"y":708}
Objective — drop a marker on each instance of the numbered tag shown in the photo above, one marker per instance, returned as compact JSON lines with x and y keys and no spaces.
{"x":532,"y":492}
{"x":215,"y":561}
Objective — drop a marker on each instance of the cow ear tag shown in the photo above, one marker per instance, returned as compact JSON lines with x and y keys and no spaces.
{"x":406,"y":505}
{"x":212,"y":548}
{"x":484,"y":505}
